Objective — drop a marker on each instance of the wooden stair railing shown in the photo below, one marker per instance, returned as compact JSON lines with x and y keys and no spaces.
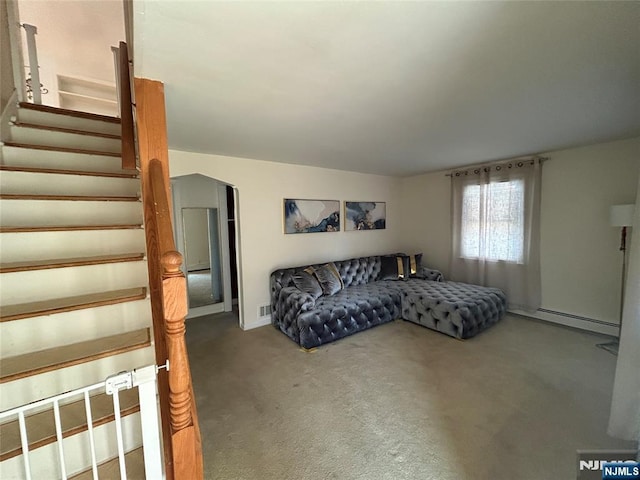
{"x":126,"y":111}
{"x":185,"y":433}
{"x":167,"y":286}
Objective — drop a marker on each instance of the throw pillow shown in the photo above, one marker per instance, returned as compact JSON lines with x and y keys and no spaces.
{"x":394,"y":267}
{"x":329,"y":278}
{"x":415,"y":263}
{"x":307,"y":283}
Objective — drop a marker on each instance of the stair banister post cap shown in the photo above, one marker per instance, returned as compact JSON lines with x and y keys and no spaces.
{"x":171,"y":262}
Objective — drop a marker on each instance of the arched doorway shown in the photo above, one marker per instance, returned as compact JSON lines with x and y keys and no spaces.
{"x":205,"y":233}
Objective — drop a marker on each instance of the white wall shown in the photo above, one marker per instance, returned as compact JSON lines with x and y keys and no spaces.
{"x":580,"y":257}
{"x":264,"y":247}
{"x":426,"y":226}
{"x":74,"y":38}
{"x":580,"y":260}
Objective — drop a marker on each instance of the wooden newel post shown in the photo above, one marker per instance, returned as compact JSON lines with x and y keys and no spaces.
{"x":185,"y":435}
{"x":175,"y":310}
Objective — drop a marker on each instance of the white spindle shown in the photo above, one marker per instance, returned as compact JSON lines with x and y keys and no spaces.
{"x":119,"y":441}
{"x":56,"y":414}
{"x":34,"y":67}
{"x":87,"y":409}
{"x":17,"y":59}
{"x":145,"y":379}
{"x":25,"y":445}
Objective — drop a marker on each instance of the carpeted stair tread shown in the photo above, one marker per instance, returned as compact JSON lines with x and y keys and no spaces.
{"x":21,"y":366}
{"x":69,"y":262}
{"x":57,"y":171}
{"x":65,"y":228}
{"x":62,"y":149}
{"x":71,"y":113}
{"x":68,"y":304}
{"x":66,"y":130}
{"x":134,"y":462}
{"x":73,"y":198}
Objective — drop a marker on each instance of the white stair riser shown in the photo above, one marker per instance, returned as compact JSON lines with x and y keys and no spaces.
{"x":37,"y":136}
{"x":32,"y":286}
{"x":49,"y":331}
{"x":24,"y":246}
{"x":26,"y":115}
{"x":44,"y":461}
{"x":30,"y":389}
{"x":29,"y":157}
{"x":35,"y":213}
{"x":28,"y":183}
{"x":88,"y":104}
{"x":40,"y":333}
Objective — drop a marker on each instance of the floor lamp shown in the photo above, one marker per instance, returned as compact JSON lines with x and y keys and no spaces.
{"x":620,"y":216}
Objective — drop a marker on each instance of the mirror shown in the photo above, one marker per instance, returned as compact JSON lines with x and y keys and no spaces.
{"x":202,"y":256}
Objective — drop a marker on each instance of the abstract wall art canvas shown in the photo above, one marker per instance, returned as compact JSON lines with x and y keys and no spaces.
{"x":311,"y":216}
{"x":365,"y":215}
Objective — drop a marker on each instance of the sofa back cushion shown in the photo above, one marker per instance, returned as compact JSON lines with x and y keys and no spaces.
{"x":359,"y":271}
{"x":354,"y":271}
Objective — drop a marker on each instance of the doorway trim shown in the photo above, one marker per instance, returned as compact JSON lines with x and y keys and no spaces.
{"x":179,"y":202}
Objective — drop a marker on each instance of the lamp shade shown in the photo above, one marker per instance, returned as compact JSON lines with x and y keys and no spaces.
{"x":622,"y":215}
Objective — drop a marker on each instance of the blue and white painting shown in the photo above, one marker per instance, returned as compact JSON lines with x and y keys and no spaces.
{"x":365,"y":215}
{"x":311,"y":216}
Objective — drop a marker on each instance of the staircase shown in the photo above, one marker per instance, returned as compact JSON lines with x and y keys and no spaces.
{"x":74,"y":304}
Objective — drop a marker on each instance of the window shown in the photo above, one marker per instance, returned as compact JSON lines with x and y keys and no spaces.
{"x":495,"y":234}
{"x":493,"y":221}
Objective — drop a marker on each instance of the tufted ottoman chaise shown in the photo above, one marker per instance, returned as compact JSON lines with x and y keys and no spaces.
{"x":460,"y":310}
{"x":456,"y":309}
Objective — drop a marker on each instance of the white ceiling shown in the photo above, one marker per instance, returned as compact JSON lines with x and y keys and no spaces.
{"x":391,"y":88}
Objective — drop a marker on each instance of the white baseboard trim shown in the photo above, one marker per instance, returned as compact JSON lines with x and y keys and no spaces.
{"x":570,"y":320}
{"x":261,"y":322}
{"x":567,"y":319}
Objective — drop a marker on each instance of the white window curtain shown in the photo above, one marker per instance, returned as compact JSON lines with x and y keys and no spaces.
{"x":496,"y":229}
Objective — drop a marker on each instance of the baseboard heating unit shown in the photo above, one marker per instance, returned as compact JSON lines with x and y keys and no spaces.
{"x":571,"y":320}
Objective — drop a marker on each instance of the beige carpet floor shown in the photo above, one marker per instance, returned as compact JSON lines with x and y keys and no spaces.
{"x":400,"y":401}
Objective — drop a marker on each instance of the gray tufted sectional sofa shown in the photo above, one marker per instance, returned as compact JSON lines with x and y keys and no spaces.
{"x":456,"y":309}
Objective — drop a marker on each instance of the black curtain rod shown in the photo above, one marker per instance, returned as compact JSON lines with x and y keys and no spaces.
{"x":499,"y":162}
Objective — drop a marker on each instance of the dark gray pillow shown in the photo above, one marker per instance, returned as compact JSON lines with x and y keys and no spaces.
{"x":394,"y":267}
{"x":307,"y":283}
{"x":329,"y":278}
